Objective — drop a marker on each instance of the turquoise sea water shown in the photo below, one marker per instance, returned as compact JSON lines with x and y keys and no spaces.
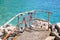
{"x":9,"y":8}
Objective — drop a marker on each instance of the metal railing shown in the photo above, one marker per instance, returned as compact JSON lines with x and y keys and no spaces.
{"x":23,"y":13}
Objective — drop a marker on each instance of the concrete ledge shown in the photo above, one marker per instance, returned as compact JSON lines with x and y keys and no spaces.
{"x":50,"y":38}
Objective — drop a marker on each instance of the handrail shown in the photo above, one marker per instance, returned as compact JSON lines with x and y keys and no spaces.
{"x":23,"y":14}
{"x":15,"y":17}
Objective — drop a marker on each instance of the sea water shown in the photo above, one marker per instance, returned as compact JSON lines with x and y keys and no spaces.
{"x":9,"y":8}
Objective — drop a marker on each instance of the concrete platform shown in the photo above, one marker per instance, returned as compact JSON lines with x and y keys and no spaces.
{"x":34,"y":35}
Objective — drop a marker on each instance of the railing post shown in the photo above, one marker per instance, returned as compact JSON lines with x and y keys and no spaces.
{"x":35,"y":14}
{"x":18,"y":21}
{"x":48,"y":19}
